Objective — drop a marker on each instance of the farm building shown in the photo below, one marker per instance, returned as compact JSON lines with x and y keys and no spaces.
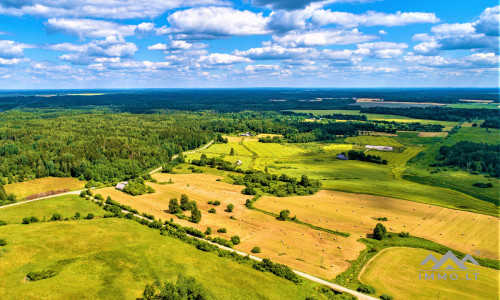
{"x":380,"y":148}
{"x":120,"y":186}
{"x":342,"y":156}
{"x":246,"y":134}
{"x":239,"y":162}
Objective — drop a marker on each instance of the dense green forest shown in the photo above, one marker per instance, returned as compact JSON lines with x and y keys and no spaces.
{"x":471,"y":157}
{"x":106,"y":146}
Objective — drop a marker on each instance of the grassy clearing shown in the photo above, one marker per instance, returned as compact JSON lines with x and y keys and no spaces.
{"x":116,"y":258}
{"x":67,"y":206}
{"x":355,"y":213}
{"x":226,"y":149}
{"x":26,"y":188}
{"x":394,"y":271}
{"x":274,"y":150}
{"x":373,"y":140}
{"x":295,"y":245}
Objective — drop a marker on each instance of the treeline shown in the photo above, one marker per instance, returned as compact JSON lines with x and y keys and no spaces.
{"x":186,"y":288}
{"x":435,"y":113}
{"x":491,"y":123}
{"x":471,"y":157}
{"x":361,"y":156}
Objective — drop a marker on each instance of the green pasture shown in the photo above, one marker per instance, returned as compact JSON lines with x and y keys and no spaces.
{"x":67,"y":206}
{"x":115,"y":259}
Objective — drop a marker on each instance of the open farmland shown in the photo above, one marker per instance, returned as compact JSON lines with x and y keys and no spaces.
{"x":464,"y":231}
{"x":318,"y":162}
{"x":66,"y":205}
{"x":394,"y":271}
{"x":116,"y":258}
{"x":314,"y":252}
{"x":40,"y":185}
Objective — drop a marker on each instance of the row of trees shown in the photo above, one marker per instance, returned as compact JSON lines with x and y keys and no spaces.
{"x":361,"y":156}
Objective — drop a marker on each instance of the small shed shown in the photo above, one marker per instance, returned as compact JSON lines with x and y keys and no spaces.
{"x":342,"y":156}
{"x":120,"y":186}
{"x":239,"y":163}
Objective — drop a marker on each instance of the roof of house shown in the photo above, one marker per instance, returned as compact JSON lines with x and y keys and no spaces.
{"x":342,"y":156}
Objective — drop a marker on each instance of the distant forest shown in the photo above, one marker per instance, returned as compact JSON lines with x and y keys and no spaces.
{"x":230,"y":100}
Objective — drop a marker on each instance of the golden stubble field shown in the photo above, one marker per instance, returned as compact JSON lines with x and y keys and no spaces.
{"x":300,"y":247}
{"x":40,"y":185}
{"x":464,"y":231}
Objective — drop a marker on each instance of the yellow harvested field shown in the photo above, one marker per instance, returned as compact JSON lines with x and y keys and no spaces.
{"x":40,"y":185}
{"x":395,"y":271}
{"x":433,"y":134}
{"x":297,"y":246}
{"x":464,"y":231}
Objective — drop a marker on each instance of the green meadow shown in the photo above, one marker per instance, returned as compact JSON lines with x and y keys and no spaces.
{"x":116,"y":258}
{"x":67,"y":206}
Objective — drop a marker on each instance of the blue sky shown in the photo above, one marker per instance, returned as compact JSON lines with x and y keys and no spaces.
{"x":253,"y":43}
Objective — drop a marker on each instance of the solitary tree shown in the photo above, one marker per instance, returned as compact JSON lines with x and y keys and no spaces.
{"x":284,"y":215}
{"x":185,"y":202}
{"x":231,"y":152}
{"x":235,"y":240}
{"x":379,"y":232}
{"x":230,"y":207}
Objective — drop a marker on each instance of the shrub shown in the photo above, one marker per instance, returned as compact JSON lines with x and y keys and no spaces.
{"x":221,"y":230}
{"x":367,"y":289}
{"x":284,"y":215}
{"x":386,"y":297}
{"x":404,"y":234}
{"x":483,"y":185}
{"x":77,"y":215}
{"x":98,"y":197}
{"x":208,"y":231}
{"x":34,"y":276}
{"x":2,"y":223}
{"x":212,"y":210}
{"x":83,"y":194}
{"x":255,"y":250}
{"x":235,"y":240}
{"x":89,"y":216}
{"x":216,"y":202}
{"x":3,"y":242}
{"x":230,"y":208}
{"x":29,"y":220}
